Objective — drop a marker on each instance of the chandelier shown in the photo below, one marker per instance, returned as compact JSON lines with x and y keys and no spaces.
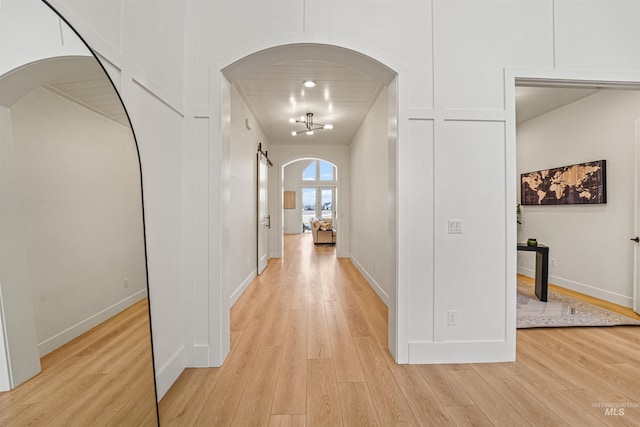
{"x":310,"y":126}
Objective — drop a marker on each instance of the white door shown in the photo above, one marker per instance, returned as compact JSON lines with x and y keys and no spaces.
{"x":264,"y":219}
{"x":636,"y":250}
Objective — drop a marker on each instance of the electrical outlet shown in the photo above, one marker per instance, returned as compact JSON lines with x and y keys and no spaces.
{"x":125,"y":281}
{"x":553,"y":262}
{"x":452,"y":317}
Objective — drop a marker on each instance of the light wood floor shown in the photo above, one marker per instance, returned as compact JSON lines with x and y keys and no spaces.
{"x":309,"y":342}
{"x":102,"y":378}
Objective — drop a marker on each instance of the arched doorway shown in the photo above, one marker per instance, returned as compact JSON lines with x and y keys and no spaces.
{"x":281,"y":153}
{"x":313,"y":185}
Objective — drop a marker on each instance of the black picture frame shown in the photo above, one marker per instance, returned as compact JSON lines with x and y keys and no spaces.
{"x":578,"y":184}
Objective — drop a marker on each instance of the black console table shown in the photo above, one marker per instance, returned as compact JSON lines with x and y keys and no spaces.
{"x":542,"y":268}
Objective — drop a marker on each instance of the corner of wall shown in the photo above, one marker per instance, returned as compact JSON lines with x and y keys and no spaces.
{"x":372,"y":282}
{"x":168,"y":373}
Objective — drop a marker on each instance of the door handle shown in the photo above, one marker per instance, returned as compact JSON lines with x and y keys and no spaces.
{"x":267,"y":222}
{"x":636,"y":239}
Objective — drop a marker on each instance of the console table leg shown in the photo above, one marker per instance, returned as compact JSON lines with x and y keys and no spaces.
{"x":542,"y":275}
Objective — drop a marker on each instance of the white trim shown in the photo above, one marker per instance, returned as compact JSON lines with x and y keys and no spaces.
{"x":219,"y":219}
{"x":83,"y":326}
{"x":243,"y":286}
{"x":461,"y":352}
{"x":153,"y":89}
{"x":5,"y":367}
{"x":170,"y":371}
{"x":199,"y":356}
{"x":531,"y":76}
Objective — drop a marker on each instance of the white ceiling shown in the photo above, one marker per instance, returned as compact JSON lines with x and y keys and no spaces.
{"x":95,"y":92}
{"x":534,"y":101}
{"x":78,"y":78}
{"x":342,"y":97}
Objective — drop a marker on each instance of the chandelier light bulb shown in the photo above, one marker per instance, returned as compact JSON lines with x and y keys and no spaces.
{"x":292,"y":120}
{"x":309,"y":83}
{"x":294,"y":133}
{"x":310,"y":132}
{"x":327,"y":127}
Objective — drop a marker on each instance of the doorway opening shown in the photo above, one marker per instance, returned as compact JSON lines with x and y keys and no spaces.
{"x":269,"y":85}
{"x":313,"y":184}
{"x":562,"y":123}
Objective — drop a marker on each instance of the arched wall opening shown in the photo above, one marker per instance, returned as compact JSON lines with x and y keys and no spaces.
{"x":325,"y":189}
{"x":220,"y":303}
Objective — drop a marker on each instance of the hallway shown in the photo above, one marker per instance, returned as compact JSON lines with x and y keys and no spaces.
{"x":309,"y":341}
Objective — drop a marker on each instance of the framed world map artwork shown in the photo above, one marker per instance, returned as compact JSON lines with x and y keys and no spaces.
{"x":583,"y":183}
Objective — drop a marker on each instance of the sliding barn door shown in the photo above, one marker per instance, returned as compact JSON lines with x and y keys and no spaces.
{"x":636,"y":252}
{"x":264,"y":219}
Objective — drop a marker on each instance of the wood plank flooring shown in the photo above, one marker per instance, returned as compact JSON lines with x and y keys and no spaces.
{"x":309,"y":340}
{"x":102,"y":378}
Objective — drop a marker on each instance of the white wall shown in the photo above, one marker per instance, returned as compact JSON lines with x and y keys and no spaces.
{"x":80,"y":195}
{"x":369,"y":165}
{"x":244,"y":209}
{"x":19,"y":356}
{"x":292,"y":181}
{"x":590,"y":243}
{"x":455,"y":128}
{"x":455,"y":124}
{"x":29,"y":31}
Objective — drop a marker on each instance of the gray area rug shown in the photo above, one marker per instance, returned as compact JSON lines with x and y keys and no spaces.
{"x":561,"y":311}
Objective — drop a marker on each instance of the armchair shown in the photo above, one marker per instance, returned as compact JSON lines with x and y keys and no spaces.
{"x":323,"y":231}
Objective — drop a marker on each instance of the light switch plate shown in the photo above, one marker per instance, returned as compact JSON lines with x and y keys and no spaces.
{"x":455,"y":226}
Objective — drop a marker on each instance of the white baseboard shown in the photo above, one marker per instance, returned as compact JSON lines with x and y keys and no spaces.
{"x":343,"y":254}
{"x":461,"y":352}
{"x":243,"y":286}
{"x":83,"y":326}
{"x":168,"y":373}
{"x":200,"y":356}
{"x":592,"y":291}
{"x":374,"y":285}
